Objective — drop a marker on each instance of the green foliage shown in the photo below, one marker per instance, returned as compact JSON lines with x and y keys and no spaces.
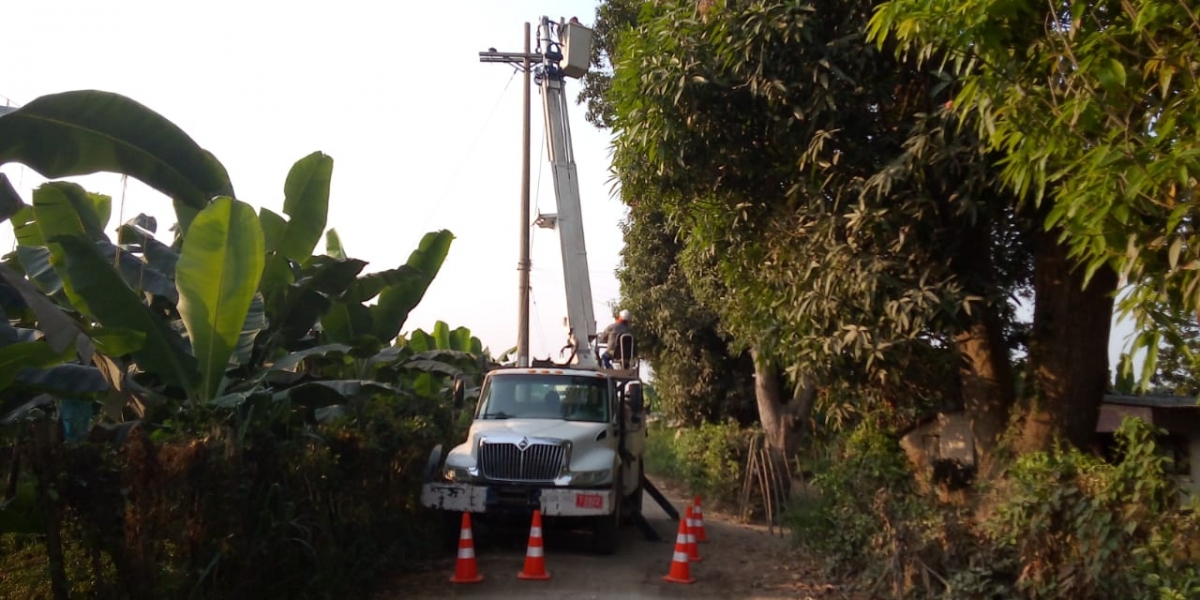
{"x":1083,"y":528}
{"x":1059,"y":525}
{"x":699,"y":377}
{"x":707,"y":459}
{"x":253,"y":504}
{"x":1093,"y":114}
{"x":306,"y":202}
{"x":823,"y":210}
{"x":1178,"y":365}
{"x":18,"y":356}
{"x":98,"y":292}
{"x":866,"y":492}
{"x":217,"y":275}
{"x":395,"y":302}
{"x":278,"y":467}
{"x":76,"y":133}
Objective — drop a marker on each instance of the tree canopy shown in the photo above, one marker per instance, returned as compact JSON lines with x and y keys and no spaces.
{"x":845,"y":219}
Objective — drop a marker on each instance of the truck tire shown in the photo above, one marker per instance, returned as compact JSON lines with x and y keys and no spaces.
{"x":605,"y":529}
{"x":433,"y":466}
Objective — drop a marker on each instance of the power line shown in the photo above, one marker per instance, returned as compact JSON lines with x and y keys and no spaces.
{"x":462,"y":164}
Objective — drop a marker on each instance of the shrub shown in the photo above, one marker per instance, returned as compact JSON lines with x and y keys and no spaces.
{"x":865,"y":507}
{"x":258,"y":507}
{"x":707,"y":459}
{"x":1063,"y":525}
{"x":1083,"y":528}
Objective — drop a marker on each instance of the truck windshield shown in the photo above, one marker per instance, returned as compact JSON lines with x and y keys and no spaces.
{"x":570,"y":397}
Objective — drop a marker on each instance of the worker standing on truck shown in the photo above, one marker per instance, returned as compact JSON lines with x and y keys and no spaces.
{"x":618,"y":342}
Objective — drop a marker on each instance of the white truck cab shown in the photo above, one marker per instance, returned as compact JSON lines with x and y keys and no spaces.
{"x":566,"y":441}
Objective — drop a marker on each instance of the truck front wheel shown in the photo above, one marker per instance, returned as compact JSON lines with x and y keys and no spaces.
{"x":605,"y":529}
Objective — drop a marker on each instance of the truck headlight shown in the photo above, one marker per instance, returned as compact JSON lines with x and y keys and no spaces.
{"x":458,"y":474}
{"x":590,"y":477}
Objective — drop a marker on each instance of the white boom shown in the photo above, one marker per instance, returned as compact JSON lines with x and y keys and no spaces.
{"x":565,"y":57}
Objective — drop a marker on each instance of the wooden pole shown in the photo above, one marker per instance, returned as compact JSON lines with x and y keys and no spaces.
{"x":523,"y":260}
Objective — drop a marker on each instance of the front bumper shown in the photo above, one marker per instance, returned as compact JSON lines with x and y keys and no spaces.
{"x":480,"y":498}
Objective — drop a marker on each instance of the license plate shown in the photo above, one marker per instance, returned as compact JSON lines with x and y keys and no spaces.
{"x":589,"y":501}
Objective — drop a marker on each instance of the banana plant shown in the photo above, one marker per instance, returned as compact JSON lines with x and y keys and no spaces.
{"x":63,"y":247}
{"x":240,"y":286}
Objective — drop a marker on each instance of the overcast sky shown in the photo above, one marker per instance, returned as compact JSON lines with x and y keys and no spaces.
{"x":423,"y":135}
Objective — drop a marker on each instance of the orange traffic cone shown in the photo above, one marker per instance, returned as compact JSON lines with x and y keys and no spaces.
{"x":535,"y":554}
{"x":465,"y":571}
{"x":698,"y":514}
{"x":680,"y":571}
{"x":693,"y":549}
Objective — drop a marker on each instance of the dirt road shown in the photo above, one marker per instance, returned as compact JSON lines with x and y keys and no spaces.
{"x":739,"y":561}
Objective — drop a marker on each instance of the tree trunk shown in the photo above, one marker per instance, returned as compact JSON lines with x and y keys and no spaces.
{"x":1068,"y":351}
{"x":768,"y":391}
{"x":985,"y":371}
{"x":782,"y":415}
{"x":987,"y":388}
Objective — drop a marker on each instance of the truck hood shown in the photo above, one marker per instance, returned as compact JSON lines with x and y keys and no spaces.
{"x":541,"y":428}
{"x":593,"y":445}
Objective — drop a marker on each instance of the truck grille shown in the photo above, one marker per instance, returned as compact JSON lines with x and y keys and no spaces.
{"x":504,"y":461}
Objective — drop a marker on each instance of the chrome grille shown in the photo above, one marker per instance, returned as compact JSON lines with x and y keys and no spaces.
{"x":507,"y":462}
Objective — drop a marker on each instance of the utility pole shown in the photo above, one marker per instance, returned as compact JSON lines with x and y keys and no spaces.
{"x":525,"y":62}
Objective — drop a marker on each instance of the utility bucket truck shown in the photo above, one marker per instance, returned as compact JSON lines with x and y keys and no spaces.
{"x":564,"y":438}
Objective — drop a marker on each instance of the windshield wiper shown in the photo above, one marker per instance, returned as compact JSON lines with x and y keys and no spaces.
{"x":499,"y":415}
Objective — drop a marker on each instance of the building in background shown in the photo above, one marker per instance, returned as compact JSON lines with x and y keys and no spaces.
{"x":944,"y":442}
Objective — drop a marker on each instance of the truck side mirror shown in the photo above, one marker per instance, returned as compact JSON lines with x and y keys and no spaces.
{"x":636,"y":399}
{"x":458,"y":394}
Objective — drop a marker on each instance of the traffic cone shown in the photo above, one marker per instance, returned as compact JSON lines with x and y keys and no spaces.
{"x":465,"y":571}
{"x":698,"y":514}
{"x":693,"y":549}
{"x":680,"y":571}
{"x":535,"y":554}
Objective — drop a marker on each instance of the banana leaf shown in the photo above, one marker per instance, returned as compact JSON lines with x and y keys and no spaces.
{"x":96,"y":290}
{"x":306,"y":202}
{"x":256,"y":322}
{"x":60,"y":330}
{"x":218,"y":273}
{"x":290,"y":361}
{"x":346,"y":322}
{"x":81,"y":132}
{"x":397,"y":301}
{"x":333,"y":244}
{"x":274,"y":227}
{"x":63,"y":208}
{"x":10,"y":200}
{"x":140,"y":232}
{"x":370,"y":285}
{"x":62,"y":380}
{"x":16,"y":358}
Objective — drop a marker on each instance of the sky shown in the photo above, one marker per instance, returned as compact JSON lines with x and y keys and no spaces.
{"x":423,"y":135}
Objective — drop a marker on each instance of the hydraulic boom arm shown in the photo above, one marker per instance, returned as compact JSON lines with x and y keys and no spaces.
{"x":580,"y":314}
